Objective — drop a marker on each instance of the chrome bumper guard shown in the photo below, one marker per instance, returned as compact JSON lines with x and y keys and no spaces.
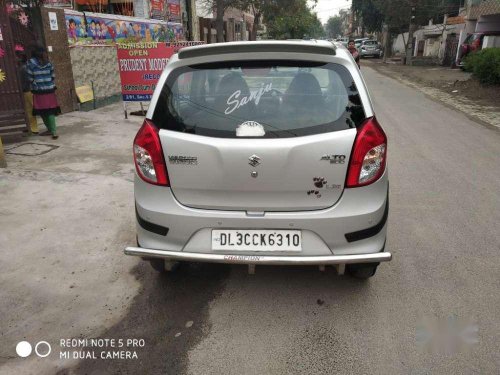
{"x":259,"y":259}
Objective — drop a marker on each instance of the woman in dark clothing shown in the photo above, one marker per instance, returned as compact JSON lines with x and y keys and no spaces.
{"x":41,"y":75}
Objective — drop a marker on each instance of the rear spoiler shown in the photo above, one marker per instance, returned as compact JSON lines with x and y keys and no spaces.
{"x":320,"y":48}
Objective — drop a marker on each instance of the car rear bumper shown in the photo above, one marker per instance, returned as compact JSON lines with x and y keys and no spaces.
{"x":355,"y":225}
{"x":371,"y":53}
{"x":259,"y":259}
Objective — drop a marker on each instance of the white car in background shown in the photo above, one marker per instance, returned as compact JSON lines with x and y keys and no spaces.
{"x":358,"y":42}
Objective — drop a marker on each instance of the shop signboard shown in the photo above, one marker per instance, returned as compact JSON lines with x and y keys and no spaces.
{"x":157,"y":9}
{"x":141,"y":64}
{"x":174,"y":10}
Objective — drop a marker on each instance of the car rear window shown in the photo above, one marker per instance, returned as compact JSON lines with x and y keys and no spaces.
{"x":267,"y":99}
{"x":370,"y":42}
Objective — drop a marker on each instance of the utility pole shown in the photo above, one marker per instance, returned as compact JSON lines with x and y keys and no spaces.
{"x":387,"y":42}
{"x":409,"y":50}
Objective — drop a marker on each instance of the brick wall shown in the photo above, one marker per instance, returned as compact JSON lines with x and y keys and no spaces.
{"x":97,"y":64}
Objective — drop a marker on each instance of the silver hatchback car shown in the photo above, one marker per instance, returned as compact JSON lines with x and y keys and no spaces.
{"x":370,"y":48}
{"x":262,"y":153}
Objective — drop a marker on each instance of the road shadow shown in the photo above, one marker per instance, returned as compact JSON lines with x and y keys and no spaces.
{"x":287,"y":320}
{"x":160,"y":310}
{"x":300,"y":283}
{"x":166,"y":302}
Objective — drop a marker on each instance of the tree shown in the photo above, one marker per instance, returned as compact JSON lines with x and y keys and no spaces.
{"x":258,"y":8}
{"x":284,"y":18}
{"x":316,"y":29}
{"x":334,"y":27}
{"x":400,"y":14}
{"x":277,"y":13}
{"x":292,"y":20}
{"x":371,"y":16}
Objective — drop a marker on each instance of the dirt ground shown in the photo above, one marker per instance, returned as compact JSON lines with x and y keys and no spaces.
{"x":451,"y":81}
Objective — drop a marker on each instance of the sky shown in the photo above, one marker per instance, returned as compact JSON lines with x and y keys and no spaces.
{"x":328,"y":8}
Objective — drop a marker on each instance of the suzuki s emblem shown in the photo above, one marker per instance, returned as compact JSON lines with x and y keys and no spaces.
{"x":254,"y":160}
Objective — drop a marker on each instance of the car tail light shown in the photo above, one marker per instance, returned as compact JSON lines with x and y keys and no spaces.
{"x":368,"y":155}
{"x":148,"y":155}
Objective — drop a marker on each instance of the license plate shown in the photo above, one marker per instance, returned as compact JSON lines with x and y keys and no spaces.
{"x":256,"y":240}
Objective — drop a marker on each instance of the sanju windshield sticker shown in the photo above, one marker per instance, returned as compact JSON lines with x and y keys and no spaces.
{"x":234,"y":101}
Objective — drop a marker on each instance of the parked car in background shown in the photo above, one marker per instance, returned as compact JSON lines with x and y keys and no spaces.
{"x":344,"y":41}
{"x":473,"y":43}
{"x":262,"y":153}
{"x":370,"y":48}
{"x":357,"y":42}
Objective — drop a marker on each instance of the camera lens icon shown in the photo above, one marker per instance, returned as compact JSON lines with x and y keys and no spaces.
{"x":24,"y":349}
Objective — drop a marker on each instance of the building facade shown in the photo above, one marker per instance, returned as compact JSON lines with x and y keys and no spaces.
{"x":482,"y":16}
{"x":238,"y":24}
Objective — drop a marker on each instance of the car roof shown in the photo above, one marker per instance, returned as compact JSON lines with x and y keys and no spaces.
{"x":321,"y":47}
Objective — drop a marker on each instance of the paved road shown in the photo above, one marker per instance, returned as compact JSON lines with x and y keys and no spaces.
{"x":444,"y":234}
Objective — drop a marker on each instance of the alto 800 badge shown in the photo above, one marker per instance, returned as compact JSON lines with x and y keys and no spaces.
{"x":334,"y":159}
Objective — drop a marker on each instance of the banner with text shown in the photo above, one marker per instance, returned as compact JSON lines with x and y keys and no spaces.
{"x":157,"y":9}
{"x":174,"y":10}
{"x":141,"y":65}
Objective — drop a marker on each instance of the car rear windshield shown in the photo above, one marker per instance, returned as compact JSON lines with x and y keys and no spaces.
{"x":370,"y":42}
{"x":267,"y":99}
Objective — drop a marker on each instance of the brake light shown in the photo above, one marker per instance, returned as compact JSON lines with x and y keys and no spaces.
{"x":368,"y":155}
{"x":148,"y":155}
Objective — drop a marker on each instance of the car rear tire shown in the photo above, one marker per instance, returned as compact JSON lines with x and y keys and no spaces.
{"x":362,"y":270}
